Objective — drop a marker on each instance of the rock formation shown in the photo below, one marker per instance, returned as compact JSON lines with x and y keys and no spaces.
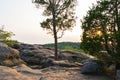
{"x":9,"y":56}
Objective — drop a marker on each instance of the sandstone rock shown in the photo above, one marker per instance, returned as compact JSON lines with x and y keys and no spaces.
{"x":9,"y":56}
{"x":24,"y":69}
{"x":66,"y":63}
{"x":46,"y":63}
{"x":23,"y":72}
{"x":35,"y":54}
{"x":44,"y":57}
{"x":72,"y":56}
{"x":7,"y":73}
{"x":91,"y":67}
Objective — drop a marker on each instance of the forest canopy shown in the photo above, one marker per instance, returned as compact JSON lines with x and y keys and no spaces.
{"x":101,"y":28}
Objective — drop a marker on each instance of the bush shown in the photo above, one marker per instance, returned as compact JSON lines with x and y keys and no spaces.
{"x":5,"y":37}
{"x":10,"y":42}
{"x":105,"y":57}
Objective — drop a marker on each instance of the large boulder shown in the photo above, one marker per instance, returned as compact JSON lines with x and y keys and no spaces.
{"x":9,"y":56}
{"x":35,"y":54}
{"x":91,"y":67}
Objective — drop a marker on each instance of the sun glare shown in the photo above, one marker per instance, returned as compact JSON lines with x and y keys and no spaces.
{"x":99,"y":33}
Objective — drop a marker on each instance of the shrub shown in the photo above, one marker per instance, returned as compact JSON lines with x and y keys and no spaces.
{"x":5,"y":37}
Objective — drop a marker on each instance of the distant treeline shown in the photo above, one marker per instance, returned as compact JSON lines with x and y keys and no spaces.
{"x":64,"y":45}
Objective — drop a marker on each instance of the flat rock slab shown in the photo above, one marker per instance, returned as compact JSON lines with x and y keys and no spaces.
{"x":7,"y":73}
{"x":23,"y":72}
{"x":73,"y":73}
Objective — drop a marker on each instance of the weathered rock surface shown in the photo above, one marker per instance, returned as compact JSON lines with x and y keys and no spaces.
{"x":91,"y":67}
{"x":66,"y":68}
{"x":34,"y":54}
{"x":9,"y":56}
{"x":7,"y":73}
{"x":23,"y":72}
{"x":72,"y":56}
{"x":39,"y":55}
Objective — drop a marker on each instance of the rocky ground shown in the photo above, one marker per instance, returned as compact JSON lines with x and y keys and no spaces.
{"x":72,"y":73}
{"x":22,"y":72}
{"x":35,"y":62}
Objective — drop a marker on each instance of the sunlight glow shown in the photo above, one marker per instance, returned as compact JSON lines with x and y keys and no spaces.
{"x":99,"y":33}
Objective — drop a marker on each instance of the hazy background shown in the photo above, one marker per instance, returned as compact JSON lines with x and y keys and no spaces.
{"x":23,"y":19}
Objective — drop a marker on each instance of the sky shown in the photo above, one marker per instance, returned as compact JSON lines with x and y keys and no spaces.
{"x":23,"y":19}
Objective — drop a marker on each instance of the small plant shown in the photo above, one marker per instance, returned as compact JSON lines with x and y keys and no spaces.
{"x":5,"y":37}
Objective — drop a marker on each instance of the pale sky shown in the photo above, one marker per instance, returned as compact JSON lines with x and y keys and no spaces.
{"x":23,"y":19}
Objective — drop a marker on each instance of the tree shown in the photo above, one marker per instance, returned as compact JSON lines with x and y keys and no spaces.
{"x":94,"y":35}
{"x":103,"y":17}
{"x":60,"y":17}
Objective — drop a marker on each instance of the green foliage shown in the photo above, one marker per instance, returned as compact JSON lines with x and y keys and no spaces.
{"x":72,"y":46}
{"x":62,"y":10}
{"x":62,"y":45}
{"x":5,"y":37}
{"x":10,"y":42}
{"x":105,"y":18}
{"x":91,"y":45}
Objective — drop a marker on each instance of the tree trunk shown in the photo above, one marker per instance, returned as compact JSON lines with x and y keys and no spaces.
{"x":117,"y":39}
{"x":117,"y":24}
{"x":105,"y":37}
{"x":106,"y":45}
{"x":56,"y":46}
{"x":55,"y":33}
{"x":55,"y":40}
